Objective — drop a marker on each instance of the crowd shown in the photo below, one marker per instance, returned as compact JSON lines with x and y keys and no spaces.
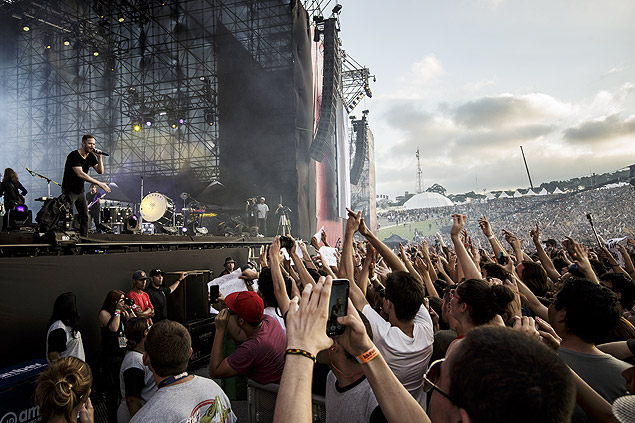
{"x":510,"y":332}
{"x":560,"y":215}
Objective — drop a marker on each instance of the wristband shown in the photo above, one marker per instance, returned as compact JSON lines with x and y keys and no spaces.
{"x":296,"y":351}
{"x":491,"y":237}
{"x":367,"y":356}
{"x":117,"y":313}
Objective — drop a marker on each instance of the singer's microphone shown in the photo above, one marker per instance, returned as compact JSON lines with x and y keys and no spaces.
{"x":103,"y":153}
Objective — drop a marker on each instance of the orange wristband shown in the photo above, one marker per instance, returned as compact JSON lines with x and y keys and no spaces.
{"x":367,"y":356}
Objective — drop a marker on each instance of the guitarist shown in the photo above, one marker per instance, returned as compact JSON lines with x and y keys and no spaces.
{"x":93,"y":210}
{"x":13,"y":192}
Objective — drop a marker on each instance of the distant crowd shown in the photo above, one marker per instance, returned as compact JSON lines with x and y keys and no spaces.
{"x":560,"y":215}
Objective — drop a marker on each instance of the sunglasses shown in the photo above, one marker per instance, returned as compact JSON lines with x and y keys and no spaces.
{"x":453,"y":293}
{"x":432,"y":377}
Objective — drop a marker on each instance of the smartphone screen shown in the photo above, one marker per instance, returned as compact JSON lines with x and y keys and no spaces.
{"x":214,"y":293}
{"x":338,"y":306}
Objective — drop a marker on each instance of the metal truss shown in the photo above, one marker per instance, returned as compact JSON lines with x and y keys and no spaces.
{"x":355,"y":82}
{"x":98,"y":66}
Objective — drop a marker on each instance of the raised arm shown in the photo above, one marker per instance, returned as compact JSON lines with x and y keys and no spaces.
{"x":391,"y":258}
{"x":346,"y":265}
{"x":306,"y":331}
{"x":395,"y":402}
{"x":579,"y":255}
{"x":628,"y":263}
{"x":279,"y":287}
{"x":489,"y":234}
{"x":469,"y":269}
{"x":545,"y":260}
{"x":305,"y":276}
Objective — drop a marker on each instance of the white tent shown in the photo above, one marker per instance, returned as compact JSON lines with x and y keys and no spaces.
{"x":490,"y":196}
{"x":504,"y":195}
{"x":517,"y":194}
{"x":543,"y":192}
{"x":426,"y":200}
{"x":558,"y":191}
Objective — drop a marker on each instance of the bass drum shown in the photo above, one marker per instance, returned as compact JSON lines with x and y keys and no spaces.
{"x":157,"y":208}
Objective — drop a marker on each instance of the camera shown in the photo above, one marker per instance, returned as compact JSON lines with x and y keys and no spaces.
{"x":128,"y":301}
{"x":286,"y":242}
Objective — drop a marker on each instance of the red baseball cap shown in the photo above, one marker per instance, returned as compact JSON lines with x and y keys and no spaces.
{"x":246,"y":304}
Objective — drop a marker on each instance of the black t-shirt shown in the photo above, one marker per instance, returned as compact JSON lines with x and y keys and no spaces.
{"x":71,"y":182}
{"x":158,"y":298}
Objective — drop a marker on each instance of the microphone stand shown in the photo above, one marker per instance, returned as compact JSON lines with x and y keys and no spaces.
{"x":48,"y":180}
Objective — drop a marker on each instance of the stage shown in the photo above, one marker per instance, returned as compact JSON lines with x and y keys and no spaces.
{"x":36,"y":269}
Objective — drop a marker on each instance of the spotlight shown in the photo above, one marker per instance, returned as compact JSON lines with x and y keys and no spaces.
{"x":136,"y":127}
{"x":149,"y":120}
{"x":209,"y":117}
{"x":26,"y":27}
{"x":67,"y":43}
{"x":181,"y":121}
{"x":337,"y":9}
{"x":95,"y":53}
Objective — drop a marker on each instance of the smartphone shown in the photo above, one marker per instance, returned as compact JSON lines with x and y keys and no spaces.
{"x":214,"y":293}
{"x":286,"y":242}
{"x":501,"y":258}
{"x":338,"y":306}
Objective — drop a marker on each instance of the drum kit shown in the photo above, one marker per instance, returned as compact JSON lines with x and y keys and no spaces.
{"x":159,"y":209}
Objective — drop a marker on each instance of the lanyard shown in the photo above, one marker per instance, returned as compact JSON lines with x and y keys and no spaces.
{"x":171,"y":380}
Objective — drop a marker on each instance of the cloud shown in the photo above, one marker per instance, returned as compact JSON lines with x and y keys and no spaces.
{"x":476,"y":86}
{"x":421,"y":77}
{"x":479,"y":139}
{"x":601,"y":129}
{"x":508,"y":110}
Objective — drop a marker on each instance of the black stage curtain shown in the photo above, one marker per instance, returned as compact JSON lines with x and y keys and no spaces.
{"x":30,"y":285}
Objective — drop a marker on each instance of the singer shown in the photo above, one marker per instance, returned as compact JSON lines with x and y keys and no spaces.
{"x":78,"y":162}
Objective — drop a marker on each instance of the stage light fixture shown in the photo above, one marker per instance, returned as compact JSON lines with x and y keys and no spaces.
{"x":317,"y":35}
{"x":67,"y":42}
{"x":209,"y":117}
{"x":95,"y":53}
{"x":337,"y":9}
{"x":26,"y":27}
{"x":136,"y":125}
{"x":121,"y":18}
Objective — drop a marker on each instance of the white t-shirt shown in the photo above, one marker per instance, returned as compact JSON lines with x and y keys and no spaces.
{"x":134,"y":360}
{"x":74,"y":344}
{"x":408,"y":358}
{"x":261,"y":210}
{"x":199,"y":400}
{"x":274,"y":312}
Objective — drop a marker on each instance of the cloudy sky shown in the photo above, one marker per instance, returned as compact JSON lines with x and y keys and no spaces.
{"x":470,"y":81}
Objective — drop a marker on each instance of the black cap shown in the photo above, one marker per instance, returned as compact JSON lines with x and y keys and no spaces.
{"x":156,"y":272}
{"x":229,"y":260}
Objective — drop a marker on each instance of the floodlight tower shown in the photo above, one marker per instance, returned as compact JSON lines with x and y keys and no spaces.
{"x":419,"y":175}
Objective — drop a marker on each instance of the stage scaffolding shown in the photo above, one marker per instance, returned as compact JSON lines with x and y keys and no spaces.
{"x":156,"y":63}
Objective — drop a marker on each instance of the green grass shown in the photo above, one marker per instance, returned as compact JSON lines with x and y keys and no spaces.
{"x":407,"y":231}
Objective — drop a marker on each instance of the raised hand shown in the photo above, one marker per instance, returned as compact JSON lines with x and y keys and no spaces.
{"x":458,"y":222}
{"x":485,"y":226}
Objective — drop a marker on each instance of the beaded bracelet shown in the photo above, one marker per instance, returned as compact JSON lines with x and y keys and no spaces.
{"x":296,"y":351}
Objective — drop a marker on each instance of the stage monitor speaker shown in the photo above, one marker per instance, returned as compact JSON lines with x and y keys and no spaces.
{"x":188,"y":302}
{"x":202,"y":334}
